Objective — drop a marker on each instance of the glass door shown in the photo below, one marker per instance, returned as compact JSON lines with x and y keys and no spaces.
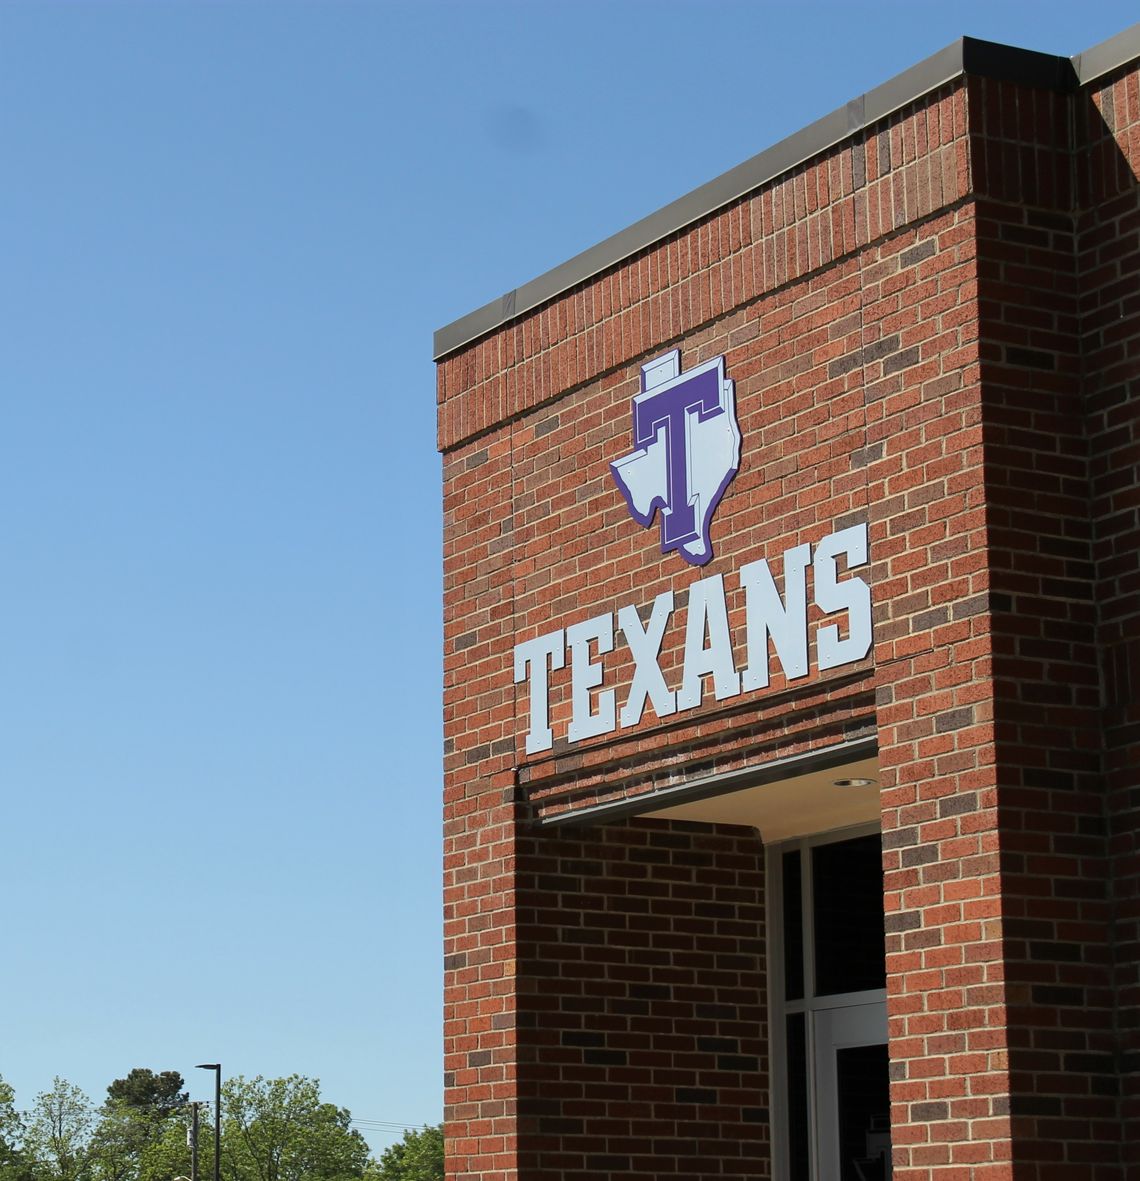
{"x":832,"y":1111}
{"x":853,"y":1133}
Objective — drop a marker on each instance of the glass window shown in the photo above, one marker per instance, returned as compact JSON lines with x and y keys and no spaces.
{"x":847,"y":912}
{"x":793,"y":927}
{"x":799,"y":1166}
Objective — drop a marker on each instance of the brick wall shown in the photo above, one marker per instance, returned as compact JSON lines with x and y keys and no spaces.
{"x":643,"y":1051}
{"x":1054,"y":873}
{"x":1059,"y":178}
{"x":1108,"y":253}
{"x":916,"y":322}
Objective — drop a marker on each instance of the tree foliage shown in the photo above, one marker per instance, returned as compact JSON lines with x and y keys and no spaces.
{"x":14,"y":1164}
{"x":272,"y":1130}
{"x":280,"y":1130}
{"x":157,"y":1093}
{"x":134,"y":1122}
{"x":58,"y":1133}
{"x":418,"y":1157}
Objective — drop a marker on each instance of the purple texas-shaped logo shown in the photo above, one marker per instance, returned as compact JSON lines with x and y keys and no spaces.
{"x":687,"y":444}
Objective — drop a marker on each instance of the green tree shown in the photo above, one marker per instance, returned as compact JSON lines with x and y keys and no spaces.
{"x":141,"y":1133}
{"x":58,"y":1133}
{"x":142,"y":1088}
{"x":280,"y":1130}
{"x":121,"y":1138}
{"x":418,"y":1157}
{"x":168,"y":1155}
{"x":14,"y":1164}
{"x":138,"y":1114}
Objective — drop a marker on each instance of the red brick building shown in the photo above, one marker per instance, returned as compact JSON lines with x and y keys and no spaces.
{"x":792,"y":583}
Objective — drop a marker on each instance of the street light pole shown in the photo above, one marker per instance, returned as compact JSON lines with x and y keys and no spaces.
{"x":216,"y":1067}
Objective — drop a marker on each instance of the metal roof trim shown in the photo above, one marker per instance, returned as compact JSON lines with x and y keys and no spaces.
{"x":1109,"y":55}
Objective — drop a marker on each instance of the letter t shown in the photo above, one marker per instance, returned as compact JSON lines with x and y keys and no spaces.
{"x":542,"y":654}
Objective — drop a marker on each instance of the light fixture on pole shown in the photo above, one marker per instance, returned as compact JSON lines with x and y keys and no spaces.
{"x":216,"y":1067}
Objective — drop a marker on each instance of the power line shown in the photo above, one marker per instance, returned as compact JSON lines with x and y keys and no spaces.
{"x":389,"y":1125}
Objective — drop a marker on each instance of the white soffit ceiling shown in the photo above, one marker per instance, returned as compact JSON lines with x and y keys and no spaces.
{"x":794,"y":807}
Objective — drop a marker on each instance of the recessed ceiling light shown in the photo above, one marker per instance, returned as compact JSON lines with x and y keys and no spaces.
{"x":854,"y":783}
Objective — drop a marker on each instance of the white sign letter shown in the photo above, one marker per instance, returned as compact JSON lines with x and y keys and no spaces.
{"x":852,"y":595}
{"x":785,"y":622}
{"x":585,"y":676}
{"x":707,"y":610}
{"x":541,"y":653}
{"x":648,"y":683}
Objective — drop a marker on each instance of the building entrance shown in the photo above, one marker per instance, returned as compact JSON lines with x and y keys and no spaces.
{"x":832,"y":1107}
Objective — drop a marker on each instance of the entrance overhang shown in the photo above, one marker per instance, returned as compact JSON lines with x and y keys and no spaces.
{"x":789,"y":797}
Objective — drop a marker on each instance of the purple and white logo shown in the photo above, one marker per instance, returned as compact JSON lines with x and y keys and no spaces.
{"x":688,"y":450}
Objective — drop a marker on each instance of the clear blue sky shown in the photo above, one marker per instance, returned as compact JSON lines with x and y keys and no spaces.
{"x":227,"y":233}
